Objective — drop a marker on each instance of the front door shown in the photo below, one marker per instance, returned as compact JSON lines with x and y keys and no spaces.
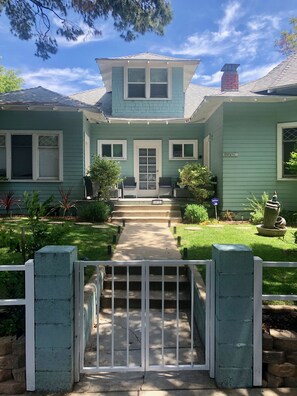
{"x":147,"y":166}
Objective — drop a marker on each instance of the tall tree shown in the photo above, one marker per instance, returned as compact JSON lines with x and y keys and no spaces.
{"x":288,"y":39}
{"x":9,"y":80}
{"x":44,"y":20}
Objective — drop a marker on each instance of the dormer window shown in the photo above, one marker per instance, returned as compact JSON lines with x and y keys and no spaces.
{"x":147,"y":83}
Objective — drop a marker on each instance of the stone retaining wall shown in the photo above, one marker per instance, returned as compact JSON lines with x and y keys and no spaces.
{"x":12,"y":365}
{"x":280,"y":359}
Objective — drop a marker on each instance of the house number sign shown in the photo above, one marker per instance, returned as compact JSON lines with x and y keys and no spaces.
{"x":228,"y":155}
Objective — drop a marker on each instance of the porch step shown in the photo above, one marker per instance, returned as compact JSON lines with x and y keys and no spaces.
{"x":144,"y":212}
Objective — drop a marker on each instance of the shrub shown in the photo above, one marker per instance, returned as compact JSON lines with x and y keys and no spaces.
{"x":197,"y":179}
{"x":195,"y":213}
{"x":65,"y":202}
{"x":7,"y":201}
{"x":106,"y":173}
{"x":257,"y":207}
{"x":95,"y":211}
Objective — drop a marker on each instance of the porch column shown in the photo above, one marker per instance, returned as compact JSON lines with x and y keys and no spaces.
{"x":234,"y":268}
{"x":54,"y":318}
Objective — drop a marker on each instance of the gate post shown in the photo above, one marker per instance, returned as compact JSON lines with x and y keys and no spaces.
{"x":234,"y":279}
{"x":54,"y":318}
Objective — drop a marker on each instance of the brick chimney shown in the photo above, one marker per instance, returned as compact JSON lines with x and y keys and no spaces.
{"x":229,"y":81}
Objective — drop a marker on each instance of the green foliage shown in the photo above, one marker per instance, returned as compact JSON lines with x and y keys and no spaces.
{"x":31,"y":19}
{"x":197,"y":179}
{"x":228,"y":215}
{"x":287,"y":43}
{"x":292,"y":163}
{"x":96,"y":212}
{"x":195,"y":213}
{"x":7,"y":201}
{"x":106,"y":173}
{"x":66,"y":203}
{"x":9,"y":79}
{"x":256,"y":207}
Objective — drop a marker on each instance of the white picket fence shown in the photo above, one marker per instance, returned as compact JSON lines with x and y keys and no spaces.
{"x":28,"y":302}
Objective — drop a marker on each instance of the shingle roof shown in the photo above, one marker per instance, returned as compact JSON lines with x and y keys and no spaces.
{"x":283,"y":75}
{"x":147,"y":56}
{"x":39,"y":96}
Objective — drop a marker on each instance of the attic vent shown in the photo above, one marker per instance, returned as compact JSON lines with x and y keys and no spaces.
{"x":229,"y":81}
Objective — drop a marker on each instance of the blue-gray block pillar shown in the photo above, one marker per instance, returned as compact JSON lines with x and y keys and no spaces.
{"x":234,"y":280}
{"x":54,"y":318}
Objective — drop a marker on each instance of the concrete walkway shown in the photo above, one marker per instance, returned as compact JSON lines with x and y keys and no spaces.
{"x":146,"y":241}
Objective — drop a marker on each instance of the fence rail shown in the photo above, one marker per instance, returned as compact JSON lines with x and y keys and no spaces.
{"x":279,"y":264}
{"x":28,"y":302}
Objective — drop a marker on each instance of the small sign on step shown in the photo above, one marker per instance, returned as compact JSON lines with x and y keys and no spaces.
{"x":157,"y":202}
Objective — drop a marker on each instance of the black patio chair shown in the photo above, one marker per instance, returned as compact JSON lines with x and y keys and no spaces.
{"x":165,"y":187}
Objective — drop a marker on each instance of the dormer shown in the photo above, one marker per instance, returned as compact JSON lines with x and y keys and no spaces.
{"x":147,"y":85}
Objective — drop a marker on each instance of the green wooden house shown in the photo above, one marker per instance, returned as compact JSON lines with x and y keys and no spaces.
{"x":153,"y":120}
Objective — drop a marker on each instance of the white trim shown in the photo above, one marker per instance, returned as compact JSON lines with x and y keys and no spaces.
{"x":206,"y":151}
{"x":87,"y":152}
{"x":279,"y":148}
{"x":35,"y":154}
{"x":194,"y":142}
{"x":257,"y":323}
{"x":112,"y":142}
{"x":157,"y":144}
{"x":148,"y":68}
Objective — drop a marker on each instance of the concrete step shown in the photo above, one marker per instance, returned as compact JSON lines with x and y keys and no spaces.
{"x":144,"y":219}
{"x":155,"y":298}
{"x":151,"y":213}
{"x":154,"y":270}
{"x":137,"y":207}
{"x":120,"y":282}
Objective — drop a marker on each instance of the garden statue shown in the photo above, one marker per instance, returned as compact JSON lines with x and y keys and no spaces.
{"x":273,"y":224}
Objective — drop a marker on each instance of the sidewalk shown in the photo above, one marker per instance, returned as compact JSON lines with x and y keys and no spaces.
{"x":146,"y":241}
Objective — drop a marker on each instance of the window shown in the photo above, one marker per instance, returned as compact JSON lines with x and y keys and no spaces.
{"x":147,"y":83}
{"x":115,"y":149}
{"x":183,"y":149}
{"x":2,"y":156}
{"x":31,"y":156}
{"x":286,"y":143}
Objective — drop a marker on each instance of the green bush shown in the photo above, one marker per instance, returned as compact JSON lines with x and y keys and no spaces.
{"x":197,"y":179}
{"x":257,"y":207}
{"x":195,"y":213}
{"x":95,"y":211}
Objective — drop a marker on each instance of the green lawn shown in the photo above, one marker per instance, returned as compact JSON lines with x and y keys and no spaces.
{"x":275,"y":280}
{"x":91,"y":242}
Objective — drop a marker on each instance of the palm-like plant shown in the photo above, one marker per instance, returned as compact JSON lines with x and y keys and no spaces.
{"x":65,"y":203}
{"x":8,"y":200}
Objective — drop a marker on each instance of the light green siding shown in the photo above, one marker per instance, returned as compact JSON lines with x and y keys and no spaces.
{"x":71,"y":125}
{"x":250,"y":129}
{"x":131,"y":132}
{"x":214,"y":128}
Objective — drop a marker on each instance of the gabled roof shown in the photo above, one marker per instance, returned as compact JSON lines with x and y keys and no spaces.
{"x":105,"y":65}
{"x":283,"y":75}
{"x":40,"y":98}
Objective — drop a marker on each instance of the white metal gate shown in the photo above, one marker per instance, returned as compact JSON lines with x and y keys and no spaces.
{"x":147,"y":337}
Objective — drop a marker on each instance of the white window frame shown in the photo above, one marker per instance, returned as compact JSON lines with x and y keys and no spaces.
{"x":194,"y":142}
{"x":5,"y":149}
{"x":280,"y":159}
{"x":112,"y":142}
{"x":35,"y":154}
{"x":148,"y":68}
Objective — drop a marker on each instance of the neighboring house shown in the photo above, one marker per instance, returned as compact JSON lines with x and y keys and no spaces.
{"x":152,"y":120}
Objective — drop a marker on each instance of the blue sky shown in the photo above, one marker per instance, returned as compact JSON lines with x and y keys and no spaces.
{"x":216,"y":32}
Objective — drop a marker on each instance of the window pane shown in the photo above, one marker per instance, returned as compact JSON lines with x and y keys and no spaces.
{"x":159,"y":91}
{"x":49,"y":162}
{"x":21,"y":157}
{"x":136,"y":75}
{"x":177,"y":150}
{"x":158,"y":75}
{"x":289,"y":145}
{"x":106,"y":150}
{"x":188,"y":150}
{"x":151,"y":152}
{"x":118,"y":150}
{"x":2,"y":162}
{"x":142,"y":151}
{"x":136,"y":90}
{"x":48,"y":141}
{"x":2,"y":140}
